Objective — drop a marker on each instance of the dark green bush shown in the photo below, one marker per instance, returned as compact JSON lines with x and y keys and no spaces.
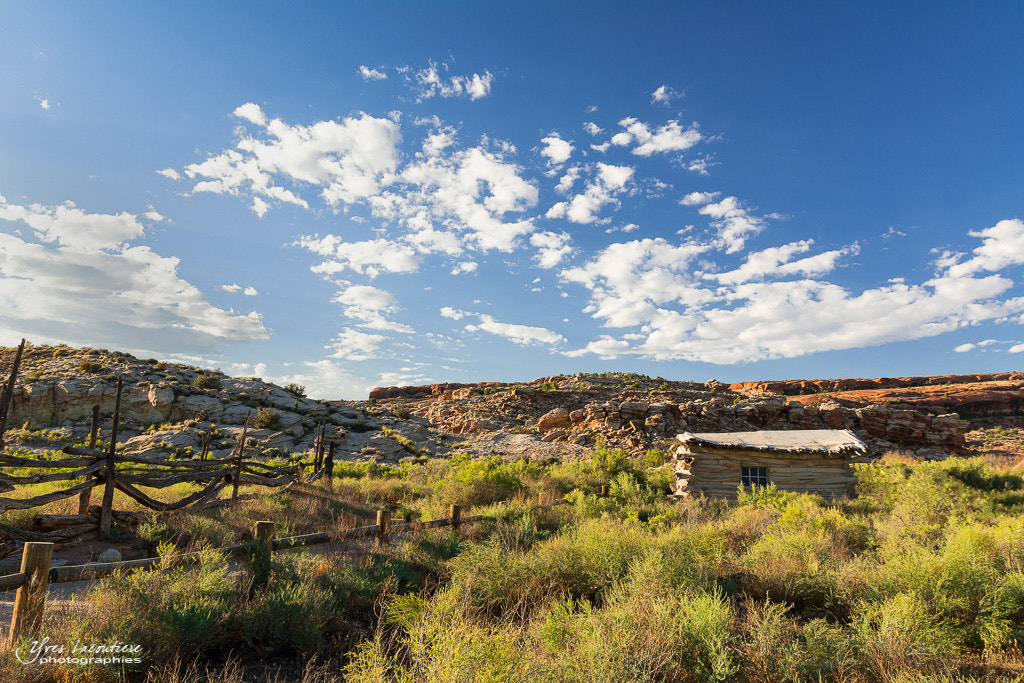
{"x":266,"y":418}
{"x":206,"y":381}
{"x":89,"y":366}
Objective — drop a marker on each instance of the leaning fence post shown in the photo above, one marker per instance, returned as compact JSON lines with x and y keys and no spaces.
{"x":106,"y":511}
{"x":264,"y":548}
{"x":30,"y":600}
{"x":455,"y":512}
{"x":383,"y":521}
{"x":604,"y":491}
{"x":318,"y":448}
{"x":238,"y":460}
{"x":329,"y":466}
{"x":85,"y":496}
{"x":8,"y":391}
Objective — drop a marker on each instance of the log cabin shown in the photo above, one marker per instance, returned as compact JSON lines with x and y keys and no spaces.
{"x":810,"y":461}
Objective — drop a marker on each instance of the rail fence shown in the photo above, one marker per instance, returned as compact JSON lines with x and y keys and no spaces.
{"x":115,"y":471}
{"x":35,"y":576}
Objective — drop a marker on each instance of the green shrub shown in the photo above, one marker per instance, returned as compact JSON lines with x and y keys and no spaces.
{"x":206,"y":380}
{"x":296,"y":389}
{"x":583,"y":562}
{"x":89,"y":366}
{"x":478,"y":482}
{"x":439,"y":642}
{"x":900,"y":635}
{"x":640,"y":636}
{"x":266,"y":418}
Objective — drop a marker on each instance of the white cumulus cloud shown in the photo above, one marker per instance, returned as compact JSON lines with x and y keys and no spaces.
{"x":607,"y":181}
{"x":83,"y":282}
{"x":524,"y":335}
{"x":664,"y":95}
{"x":776,"y":306}
{"x":557,"y":150}
{"x":671,"y":137}
{"x":432,"y":81}
{"x":369,"y":74}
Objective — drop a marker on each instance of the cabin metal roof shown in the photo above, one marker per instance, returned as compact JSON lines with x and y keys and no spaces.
{"x":835,"y":442}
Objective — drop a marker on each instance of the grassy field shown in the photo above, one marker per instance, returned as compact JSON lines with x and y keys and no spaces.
{"x":918,"y":578}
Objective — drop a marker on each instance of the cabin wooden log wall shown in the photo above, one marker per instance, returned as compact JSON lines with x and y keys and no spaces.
{"x":810,"y":461}
{"x":719,"y":473}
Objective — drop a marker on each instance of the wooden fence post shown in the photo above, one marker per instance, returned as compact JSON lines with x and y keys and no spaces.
{"x":8,"y":392}
{"x":540,"y":499}
{"x":106,"y":511}
{"x":85,"y":496}
{"x":604,"y":491}
{"x":384,"y":521}
{"x":318,"y":447}
{"x":455,"y":512}
{"x":265,"y":547}
{"x":329,"y":466}
{"x":30,"y":600}
{"x":238,"y":460}
{"x":206,"y":445}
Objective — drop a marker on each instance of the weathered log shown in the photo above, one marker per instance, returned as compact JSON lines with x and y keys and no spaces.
{"x":94,"y":431}
{"x":181,"y":464}
{"x":252,"y":465}
{"x":8,"y":391}
{"x":50,"y":522}
{"x":110,"y":478}
{"x":121,"y":516}
{"x":16,"y":461}
{"x":157,"y":482}
{"x":265,"y":481}
{"x":405,"y":527}
{"x":25,"y":535}
{"x":140,"y":460}
{"x":12,"y":581}
{"x":57,"y":476}
{"x":26,"y":503}
{"x":97,"y":570}
{"x":326,"y":537}
{"x":209,"y":492}
{"x":30,"y":601}
{"x":240,"y":452}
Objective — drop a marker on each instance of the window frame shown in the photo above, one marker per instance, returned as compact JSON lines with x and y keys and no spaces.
{"x":753,"y":475}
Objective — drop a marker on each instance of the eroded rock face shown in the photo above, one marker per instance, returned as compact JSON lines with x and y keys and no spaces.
{"x":578,"y":418}
{"x":965,"y":394}
{"x":561,"y":416}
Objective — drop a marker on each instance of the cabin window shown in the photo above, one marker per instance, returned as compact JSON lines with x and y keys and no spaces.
{"x":754,"y":476}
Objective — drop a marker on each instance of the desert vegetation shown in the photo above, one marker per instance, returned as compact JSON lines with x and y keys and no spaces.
{"x":920,"y":577}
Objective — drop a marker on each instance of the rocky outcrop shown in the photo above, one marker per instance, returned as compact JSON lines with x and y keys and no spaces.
{"x":981,"y":393}
{"x":425,"y":390}
{"x":560,"y":416}
{"x":578,"y":418}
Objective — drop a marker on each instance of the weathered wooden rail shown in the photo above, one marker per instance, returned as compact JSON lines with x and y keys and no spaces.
{"x":36,"y":575}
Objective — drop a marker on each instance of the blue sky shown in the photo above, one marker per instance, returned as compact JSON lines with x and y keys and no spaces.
{"x":348,"y":195}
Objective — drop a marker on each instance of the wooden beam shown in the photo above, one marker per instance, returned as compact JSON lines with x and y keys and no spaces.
{"x":30,"y":600}
{"x":110,"y":479}
{"x":8,"y":391}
